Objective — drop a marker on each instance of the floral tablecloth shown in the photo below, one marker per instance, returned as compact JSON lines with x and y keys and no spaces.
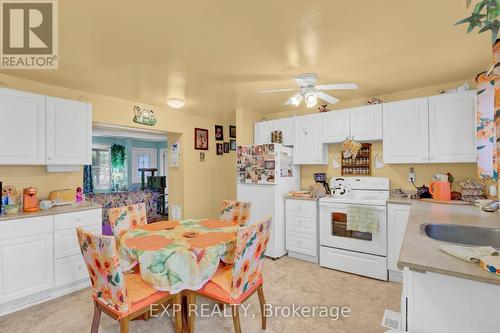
{"x":178,"y":255}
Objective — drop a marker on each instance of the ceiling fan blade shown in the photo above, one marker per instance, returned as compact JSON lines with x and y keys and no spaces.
{"x":294,"y":100}
{"x":276,"y":90}
{"x":327,"y":98}
{"x":337,"y":86}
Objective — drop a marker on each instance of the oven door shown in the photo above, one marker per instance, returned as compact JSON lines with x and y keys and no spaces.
{"x":334,"y":233}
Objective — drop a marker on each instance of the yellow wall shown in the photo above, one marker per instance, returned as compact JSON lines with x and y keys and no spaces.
{"x":397,"y":173}
{"x":197,"y":186}
{"x":245,"y":119}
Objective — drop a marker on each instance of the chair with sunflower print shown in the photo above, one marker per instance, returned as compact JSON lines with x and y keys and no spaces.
{"x":125,"y":218}
{"x":237,"y":212}
{"x":233,"y":285}
{"x":123,"y":297}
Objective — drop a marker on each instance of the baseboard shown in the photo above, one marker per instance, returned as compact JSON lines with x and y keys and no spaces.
{"x":301,"y":256}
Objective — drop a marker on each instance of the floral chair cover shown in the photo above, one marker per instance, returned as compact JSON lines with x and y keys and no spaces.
{"x":251,"y":243}
{"x":237,"y":212}
{"x":101,"y":257}
{"x":125,"y":218}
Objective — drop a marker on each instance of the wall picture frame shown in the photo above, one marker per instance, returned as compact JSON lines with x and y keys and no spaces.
{"x":226,"y":147}
{"x":219,"y":133}
{"x":232,"y":144}
{"x":200,"y":139}
{"x":220,"y":149}
{"x":232,"y":132}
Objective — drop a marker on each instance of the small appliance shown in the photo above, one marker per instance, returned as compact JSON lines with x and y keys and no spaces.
{"x":30,"y":200}
{"x":62,"y":197}
{"x":321,"y":179}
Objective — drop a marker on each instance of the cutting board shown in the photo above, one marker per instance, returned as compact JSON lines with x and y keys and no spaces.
{"x":450,"y":202}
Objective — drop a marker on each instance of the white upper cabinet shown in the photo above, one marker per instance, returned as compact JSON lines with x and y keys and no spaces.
{"x":406,"y":131}
{"x":366,"y":123}
{"x":262,"y":132}
{"x":334,"y":126}
{"x":69,"y":132}
{"x":308,"y":147}
{"x":285,"y":125}
{"x":452,"y":129}
{"x":22,"y":128}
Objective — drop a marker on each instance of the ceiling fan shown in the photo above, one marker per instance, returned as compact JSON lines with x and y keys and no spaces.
{"x":310,"y":92}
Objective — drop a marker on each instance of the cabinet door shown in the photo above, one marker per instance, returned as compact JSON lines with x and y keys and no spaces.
{"x":452,"y":128}
{"x":22,"y":127}
{"x":284,"y":125}
{"x":397,"y":219}
{"x":334,"y":126}
{"x":262,"y":133}
{"x":308,"y":148}
{"x":406,"y":131}
{"x":366,"y":123}
{"x":69,"y":132}
{"x":27,"y":266}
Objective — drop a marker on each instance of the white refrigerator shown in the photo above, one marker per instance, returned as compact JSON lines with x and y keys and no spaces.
{"x":265,"y":174}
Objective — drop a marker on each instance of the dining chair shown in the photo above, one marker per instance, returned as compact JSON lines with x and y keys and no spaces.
{"x":123,"y":297}
{"x":125,"y":218}
{"x":233,"y":285}
{"x":237,"y":212}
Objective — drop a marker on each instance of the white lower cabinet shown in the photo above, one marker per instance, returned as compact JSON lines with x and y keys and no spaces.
{"x":434,"y":302}
{"x":40,"y":258}
{"x":302,"y":229}
{"x":397,"y":219}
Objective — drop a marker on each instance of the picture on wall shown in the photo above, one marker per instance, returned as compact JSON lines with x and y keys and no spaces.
{"x":202,"y":157}
{"x":219,"y":133}
{"x":220,"y":149}
{"x":200,"y":139}
{"x":226,"y":147}
{"x":232,"y":131}
{"x":232,"y":144}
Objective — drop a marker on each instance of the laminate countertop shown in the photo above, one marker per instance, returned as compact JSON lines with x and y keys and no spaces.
{"x":301,"y":198}
{"x":74,"y":207}
{"x":418,"y":252}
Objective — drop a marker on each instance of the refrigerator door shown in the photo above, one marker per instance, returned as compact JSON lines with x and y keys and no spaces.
{"x":265,"y":202}
{"x":257,"y":164}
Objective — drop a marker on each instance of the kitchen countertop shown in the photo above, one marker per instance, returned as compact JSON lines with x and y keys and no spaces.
{"x":300,"y":198}
{"x":75,"y":207}
{"x":400,"y":200}
{"x":419,"y":252}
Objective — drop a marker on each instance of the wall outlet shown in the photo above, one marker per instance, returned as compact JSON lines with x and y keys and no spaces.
{"x":412,"y":175}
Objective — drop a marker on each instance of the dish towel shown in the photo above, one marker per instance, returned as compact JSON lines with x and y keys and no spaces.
{"x":470,"y":254}
{"x":363,"y":219}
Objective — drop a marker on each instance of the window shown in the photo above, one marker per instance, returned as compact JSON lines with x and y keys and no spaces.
{"x":101,"y":167}
{"x":142,"y":158}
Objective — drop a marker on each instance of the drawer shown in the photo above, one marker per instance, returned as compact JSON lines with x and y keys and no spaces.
{"x":301,"y":243}
{"x":69,"y":270}
{"x":301,"y":206}
{"x":301,"y":223}
{"x":66,"y":242}
{"x":26,"y":227}
{"x":78,"y":219}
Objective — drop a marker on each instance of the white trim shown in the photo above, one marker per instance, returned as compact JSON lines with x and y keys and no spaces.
{"x":136,"y":177}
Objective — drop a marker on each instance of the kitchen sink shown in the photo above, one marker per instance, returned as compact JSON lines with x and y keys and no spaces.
{"x":462,"y":234}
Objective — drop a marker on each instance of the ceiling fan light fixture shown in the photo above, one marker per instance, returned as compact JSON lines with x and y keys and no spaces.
{"x":297,"y":99}
{"x":176,"y":103}
{"x":311,"y":99}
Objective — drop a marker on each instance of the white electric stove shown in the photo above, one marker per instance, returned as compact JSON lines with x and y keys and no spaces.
{"x":348,"y":250}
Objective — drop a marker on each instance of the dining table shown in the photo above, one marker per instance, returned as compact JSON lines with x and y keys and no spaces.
{"x":177,"y":255}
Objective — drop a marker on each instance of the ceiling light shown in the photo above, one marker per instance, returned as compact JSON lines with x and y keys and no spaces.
{"x":297,"y":99}
{"x":311,"y":99}
{"x":176,"y":103}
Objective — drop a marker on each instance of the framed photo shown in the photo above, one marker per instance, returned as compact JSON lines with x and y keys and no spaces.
{"x":220,"y":149}
{"x":219,"y":133}
{"x":232,"y":144}
{"x":226,"y":147}
{"x":202,"y":157}
{"x":200,"y":139}
{"x":232,"y":132}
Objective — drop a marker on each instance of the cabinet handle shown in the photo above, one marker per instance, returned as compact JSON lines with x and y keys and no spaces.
{"x":305,"y":130}
{"x":49,"y":158}
{"x":79,"y":219}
